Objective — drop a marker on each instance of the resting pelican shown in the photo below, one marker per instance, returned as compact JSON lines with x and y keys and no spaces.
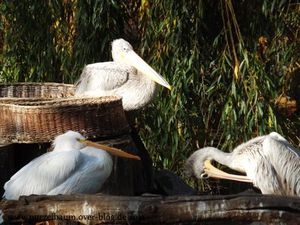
{"x":270,"y":163}
{"x":128,"y":76}
{"x":74,"y":166}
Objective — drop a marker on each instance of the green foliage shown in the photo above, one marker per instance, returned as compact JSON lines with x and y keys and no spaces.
{"x":224,"y":86}
{"x":53,"y":40}
{"x":32,"y":50}
{"x":229,"y":62}
{"x":97,"y":24}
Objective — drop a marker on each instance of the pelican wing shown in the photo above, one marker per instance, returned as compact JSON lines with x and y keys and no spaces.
{"x":266,"y":177}
{"x":42,"y":174}
{"x":98,"y":78}
{"x":90,"y":174}
{"x":277,"y":142}
{"x":286,"y":161}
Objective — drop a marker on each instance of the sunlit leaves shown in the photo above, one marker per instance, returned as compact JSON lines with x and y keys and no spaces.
{"x":223,"y":92}
{"x":228,"y":61}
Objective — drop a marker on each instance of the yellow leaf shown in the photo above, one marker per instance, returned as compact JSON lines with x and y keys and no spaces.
{"x":270,"y":122}
{"x":236,"y":71}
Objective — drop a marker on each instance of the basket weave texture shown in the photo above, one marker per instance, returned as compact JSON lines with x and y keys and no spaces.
{"x":36,"y":90}
{"x":38,"y":112}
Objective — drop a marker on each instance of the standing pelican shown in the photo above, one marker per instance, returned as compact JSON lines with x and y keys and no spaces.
{"x":74,"y":166}
{"x":270,"y":163}
{"x":128,"y":76}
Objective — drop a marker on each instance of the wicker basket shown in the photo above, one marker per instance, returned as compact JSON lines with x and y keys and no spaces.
{"x":36,"y":90}
{"x":36,"y":118}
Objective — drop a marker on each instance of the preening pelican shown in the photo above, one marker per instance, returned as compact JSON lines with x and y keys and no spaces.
{"x":128,"y":76}
{"x":74,"y":166}
{"x":270,"y":162}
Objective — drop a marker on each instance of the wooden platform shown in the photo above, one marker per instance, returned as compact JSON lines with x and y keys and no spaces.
{"x":102,"y":209}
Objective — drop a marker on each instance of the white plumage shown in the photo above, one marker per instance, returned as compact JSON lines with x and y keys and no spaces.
{"x":72,"y":167}
{"x":128,"y":76}
{"x":270,"y":162}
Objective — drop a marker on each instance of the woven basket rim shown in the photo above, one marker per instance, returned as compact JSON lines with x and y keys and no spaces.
{"x":3,"y":100}
{"x":35,"y":90}
{"x":36,"y":84}
{"x":53,"y":103}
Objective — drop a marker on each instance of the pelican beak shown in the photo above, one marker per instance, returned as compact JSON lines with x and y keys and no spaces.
{"x":212,"y":171}
{"x":136,"y":61}
{"x":111,"y":150}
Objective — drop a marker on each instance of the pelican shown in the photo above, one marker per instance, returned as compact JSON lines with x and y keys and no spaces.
{"x":75,"y":165}
{"x":127,"y":76}
{"x":270,"y":162}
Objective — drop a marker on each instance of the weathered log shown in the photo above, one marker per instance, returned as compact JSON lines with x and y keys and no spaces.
{"x":102,"y":209}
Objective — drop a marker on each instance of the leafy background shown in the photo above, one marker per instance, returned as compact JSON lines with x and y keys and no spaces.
{"x":234,"y":65}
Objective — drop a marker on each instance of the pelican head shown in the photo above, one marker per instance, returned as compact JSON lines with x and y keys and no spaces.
{"x":199,"y":165}
{"x":194,"y":166}
{"x":72,"y":140}
{"x":119,"y":49}
{"x":122,"y":52}
{"x":68,"y":141}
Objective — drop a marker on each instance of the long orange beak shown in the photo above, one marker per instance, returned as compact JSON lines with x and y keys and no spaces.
{"x":113,"y":151}
{"x":212,"y":171}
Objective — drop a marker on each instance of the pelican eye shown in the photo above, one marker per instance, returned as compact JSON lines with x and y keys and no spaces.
{"x":126,"y":49}
{"x":204,"y":176}
{"x":80,"y":140}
